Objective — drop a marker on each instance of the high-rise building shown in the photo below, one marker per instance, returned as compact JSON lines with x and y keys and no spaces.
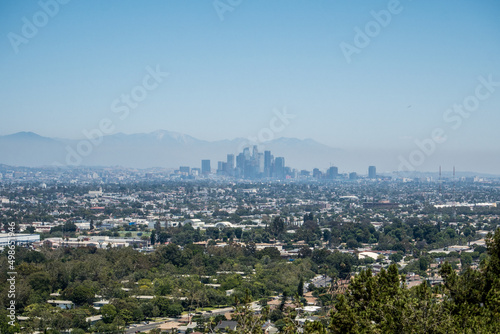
{"x":332,"y":173}
{"x":222,"y":168}
{"x":260,"y":164}
{"x":268,"y":161}
{"x":240,"y":161}
{"x":246,"y":153}
{"x":372,"y":172}
{"x":255,"y":152}
{"x":305,"y":173}
{"x":316,"y":173}
{"x":230,"y":164}
{"x":184,"y":170}
{"x":353,"y":176}
{"x":230,"y":161}
{"x":279,"y":167}
{"x":205,"y":167}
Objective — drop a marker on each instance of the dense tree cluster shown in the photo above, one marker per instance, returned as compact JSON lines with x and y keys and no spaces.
{"x":176,"y":277}
{"x":467,"y":301}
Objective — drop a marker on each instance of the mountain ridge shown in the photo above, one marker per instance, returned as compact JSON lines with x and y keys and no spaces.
{"x":170,"y":149}
{"x":142,"y":150}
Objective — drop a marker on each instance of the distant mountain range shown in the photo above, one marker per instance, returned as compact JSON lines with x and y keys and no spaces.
{"x":169,"y":149}
{"x":156,"y":149}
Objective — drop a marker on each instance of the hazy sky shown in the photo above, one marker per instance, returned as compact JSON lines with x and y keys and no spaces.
{"x":232,"y":63}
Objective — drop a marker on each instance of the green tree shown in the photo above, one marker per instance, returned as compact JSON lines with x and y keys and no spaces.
{"x":314,"y":327}
{"x":396,"y":257}
{"x":80,"y":294}
{"x":465,"y":260}
{"x":126,"y":315}
{"x":248,"y":321}
{"x":108,"y":313}
{"x":300,"y":287}
{"x":277,"y":226}
{"x":272,"y":252}
{"x":344,"y":319}
{"x":6,"y":324}
{"x":153,"y":237}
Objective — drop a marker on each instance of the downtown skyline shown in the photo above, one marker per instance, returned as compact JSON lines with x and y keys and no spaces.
{"x":389,"y":80}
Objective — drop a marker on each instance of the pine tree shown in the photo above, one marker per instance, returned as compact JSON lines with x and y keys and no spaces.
{"x":153,"y":238}
{"x":300,"y":288}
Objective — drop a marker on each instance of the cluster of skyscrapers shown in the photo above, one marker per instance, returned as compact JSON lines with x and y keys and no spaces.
{"x":252,"y":164}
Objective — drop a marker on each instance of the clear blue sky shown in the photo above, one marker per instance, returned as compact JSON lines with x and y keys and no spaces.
{"x":226,"y":76}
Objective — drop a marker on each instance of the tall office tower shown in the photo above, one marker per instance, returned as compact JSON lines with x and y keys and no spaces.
{"x":372,"y":172}
{"x":184,"y":170}
{"x":305,"y":173}
{"x":230,"y":161}
{"x":279,"y":167}
{"x":267,"y":163}
{"x":332,"y":173}
{"x":246,"y":153}
{"x":316,"y":173}
{"x":222,"y":168}
{"x":260,"y":161}
{"x":255,"y":152}
{"x":230,"y":165}
{"x":205,"y":167}
{"x":240,"y":161}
